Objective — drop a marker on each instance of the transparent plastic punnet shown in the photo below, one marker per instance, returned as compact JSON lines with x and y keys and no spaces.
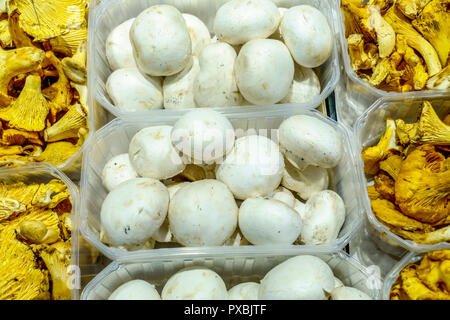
{"x":358,"y":94}
{"x":391,"y":277}
{"x":114,"y":139}
{"x":111,"y":13}
{"x":368,"y":129}
{"x":43,"y":173}
{"x":233,"y":269}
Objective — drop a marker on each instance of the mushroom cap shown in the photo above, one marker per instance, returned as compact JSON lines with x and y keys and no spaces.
{"x":163,"y":164}
{"x":196,"y":283}
{"x":244,"y":291}
{"x":299,"y":278}
{"x":161,"y":42}
{"x":305,"y":182}
{"x":239,"y":21}
{"x":323,"y":217}
{"x":284,"y":195}
{"x":203,"y":135}
{"x":135,"y":290}
{"x":130,"y":90}
{"x":199,"y":33}
{"x":118,"y":169}
{"x":203,"y":213}
{"x":348,"y":293}
{"x":269,"y":222}
{"x":307,"y":34}
{"x":253,"y":168}
{"x":133,"y":211}
{"x":264,"y":71}
{"x":304,"y":88}
{"x":118,"y":49}
{"x":305,"y":140}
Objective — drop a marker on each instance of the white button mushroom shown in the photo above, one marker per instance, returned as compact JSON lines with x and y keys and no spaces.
{"x":133,"y":211}
{"x":119,"y":51}
{"x":305,"y":182}
{"x":253,"y":168}
{"x":264,"y":71}
{"x":203,"y":135}
{"x":215,"y":85}
{"x":283,"y":195}
{"x":135,"y":290}
{"x":349,"y":293}
{"x":299,"y":207}
{"x":178,"y":90}
{"x":323,"y":218}
{"x":153,"y":155}
{"x":130,"y":90}
{"x":244,"y":291}
{"x":239,"y":21}
{"x":305,"y":140}
{"x":304,"y":88}
{"x":161,"y":42}
{"x":308,"y":35}
{"x":196,"y":283}
{"x":199,"y":33}
{"x":203,"y":213}
{"x":298,"y":278}
{"x":269,"y":222}
{"x":117,"y":170}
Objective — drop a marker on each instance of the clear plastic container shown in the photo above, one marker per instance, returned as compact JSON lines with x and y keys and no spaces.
{"x":43,"y":173}
{"x":357,"y":94}
{"x":111,"y":13}
{"x":233,"y":268}
{"x":114,"y":139}
{"x":368,"y":129}
{"x":391,"y":277}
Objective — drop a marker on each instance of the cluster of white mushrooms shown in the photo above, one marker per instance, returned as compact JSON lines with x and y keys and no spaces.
{"x":260,"y":55}
{"x":299,"y":278}
{"x":197,"y":183}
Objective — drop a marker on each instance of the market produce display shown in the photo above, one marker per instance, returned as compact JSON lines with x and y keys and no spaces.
{"x":427,"y":279}
{"x":43,"y":96}
{"x":35,"y":240}
{"x":259,"y":55}
{"x":401,"y":45}
{"x":209,"y":186}
{"x":411,"y":189}
{"x":298,"y":278}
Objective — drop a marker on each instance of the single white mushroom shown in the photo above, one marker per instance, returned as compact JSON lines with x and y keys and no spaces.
{"x":178,"y":90}
{"x":308,"y":141}
{"x":244,"y":291}
{"x":283,"y":195}
{"x":203,"y":135}
{"x":130,"y":90}
{"x":199,"y":33}
{"x":349,"y":293}
{"x":153,"y":155}
{"x":269,"y":222}
{"x":305,"y":182}
{"x":323,"y":218}
{"x":119,"y":51}
{"x":239,"y":21}
{"x":161,"y":42}
{"x":307,"y":34}
{"x":298,"y":278}
{"x":197,"y":283}
{"x":264,"y":71}
{"x":215,"y":85}
{"x":117,"y":170}
{"x":135,"y":290}
{"x":304,"y":88}
{"x":133,"y":211}
{"x":253,"y":168}
{"x":203,"y":213}
{"x":299,"y":207}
